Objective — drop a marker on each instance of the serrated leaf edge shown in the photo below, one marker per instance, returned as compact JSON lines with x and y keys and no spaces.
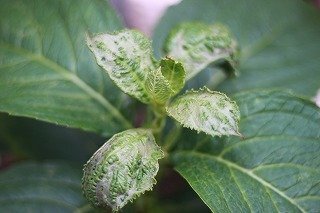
{"x":206,"y":89}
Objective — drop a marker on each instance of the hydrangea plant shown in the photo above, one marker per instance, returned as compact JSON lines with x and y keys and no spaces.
{"x":159,"y":114}
{"x":125,"y":166}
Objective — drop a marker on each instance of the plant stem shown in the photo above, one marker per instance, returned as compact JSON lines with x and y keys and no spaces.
{"x":159,"y":121}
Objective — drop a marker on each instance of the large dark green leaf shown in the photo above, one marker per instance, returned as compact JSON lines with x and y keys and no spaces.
{"x":41,"y":187}
{"x":46,"y":70}
{"x":41,"y":141}
{"x":279,"y":40}
{"x":275,"y":168}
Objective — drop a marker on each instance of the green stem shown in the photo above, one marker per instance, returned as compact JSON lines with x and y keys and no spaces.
{"x":159,"y":121}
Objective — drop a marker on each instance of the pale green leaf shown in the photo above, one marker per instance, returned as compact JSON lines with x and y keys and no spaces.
{"x":127,"y":57}
{"x":166,"y":81}
{"x":46,"y":70}
{"x":197,"y":45}
{"x":158,"y":87}
{"x":174,"y":72}
{"x":279,"y":40}
{"x":275,"y":168}
{"x":122,"y":169}
{"x":207,"y":111}
{"x":41,"y":187}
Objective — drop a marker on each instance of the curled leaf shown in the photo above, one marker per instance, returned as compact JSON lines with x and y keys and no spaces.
{"x":122,"y":169}
{"x":207,"y":111}
{"x":158,"y":87}
{"x":166,"y":81}
{"x":197,"y":45}
{"x":174,"y":73}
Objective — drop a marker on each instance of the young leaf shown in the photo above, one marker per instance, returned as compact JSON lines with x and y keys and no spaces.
{"x":46,"y":71}
{"x":174,"y":73}
{"x":166,"y":81}
{"x":122,"y":169}
{"x":197,"y":45}
{"x":41,"y":187}
{"x":157,"y":87}
{"x":127,"y":57}
{"x":207,"y":111}
{"x":274,"y":169}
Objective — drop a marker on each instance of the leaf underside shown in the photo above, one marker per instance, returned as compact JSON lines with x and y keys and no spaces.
{"x":275,"y":168}
{"x":46,"y":70}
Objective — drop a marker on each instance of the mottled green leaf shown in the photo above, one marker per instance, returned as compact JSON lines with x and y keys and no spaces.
{"x":279,"y":40}
{"x":127,"y":57}
{"x":158,"y":87}
{"x":41,"y":187}
{"x":122,"y":169}
{"x":166,"y":81}
{"x":174,"y":73}
{"x":197,"y":45}
{"x":275,"y":168}
{"x":46,"y":70}
{"x":207,"y":111}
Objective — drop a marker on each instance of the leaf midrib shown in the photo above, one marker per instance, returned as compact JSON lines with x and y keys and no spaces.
{"x":52,"y":65}
{"x":245,"y":171}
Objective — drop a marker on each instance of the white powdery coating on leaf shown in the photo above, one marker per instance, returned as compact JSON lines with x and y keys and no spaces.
{"x":196,"y":49}
{"x":127,"y":58}
{"x":122,"y":169}
{"x":194,"y":66}
{"x":210,"y":112}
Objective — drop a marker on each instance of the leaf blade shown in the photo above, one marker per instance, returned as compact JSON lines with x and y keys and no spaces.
{"x":211,"y":112}
{"x":174,"y":72}
{"x":43,"y":73}
{"x":46,"y":186}
{"x":275,"y":168}
{"x":234,"y":171}
{"x":127,"y":57}
{"x":122,"y":169}
{"x":158,"y":87}
{"x":166,"y":81}
{"x":198,"y":45}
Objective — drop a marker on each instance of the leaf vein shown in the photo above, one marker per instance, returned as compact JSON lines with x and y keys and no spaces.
{"x":250,"y":174}
{"x":71,"y":77}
